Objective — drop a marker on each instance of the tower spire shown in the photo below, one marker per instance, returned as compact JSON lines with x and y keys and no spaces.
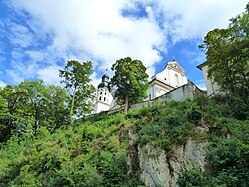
{"x":106,"y":69}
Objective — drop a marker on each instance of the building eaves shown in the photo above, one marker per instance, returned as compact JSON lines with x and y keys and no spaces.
{"x":202,"y":65}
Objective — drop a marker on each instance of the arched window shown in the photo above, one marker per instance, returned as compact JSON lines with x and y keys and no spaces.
{"x":104,"y":98}
{"x":176,"y":80}
{"x":100,"y":98}
{"x":100,"y":93}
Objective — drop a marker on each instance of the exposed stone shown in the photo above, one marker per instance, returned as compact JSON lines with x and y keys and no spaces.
{"x":161,"y":169}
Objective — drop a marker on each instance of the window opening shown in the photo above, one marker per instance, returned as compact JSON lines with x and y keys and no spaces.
{"x":177,"y":80}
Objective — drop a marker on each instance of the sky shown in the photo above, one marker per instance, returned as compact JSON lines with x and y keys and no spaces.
{"x":38,"y":37}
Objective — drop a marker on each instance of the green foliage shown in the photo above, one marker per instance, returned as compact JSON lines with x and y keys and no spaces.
{"x":163,"y":124}
{"x":194,"y":177}
{"x":227,"y":106}
{"x":88,"y":153}
{"x":227,"y":155}
{"x":229,"y":161}
{"x":93,"y":151}
{"x":194,"y":113}
{"x":4,"y":115}
{"x":227,"y":55}
{"x":130,"y":81}
{"x":76,"y":78}
{"x":30,"y":105}
{"x":191,"y":177}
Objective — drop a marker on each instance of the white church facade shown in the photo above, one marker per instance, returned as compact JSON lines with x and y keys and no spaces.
{"x":172,"y":77}
{"x":212,"y":87}
{"x":104,"y":99}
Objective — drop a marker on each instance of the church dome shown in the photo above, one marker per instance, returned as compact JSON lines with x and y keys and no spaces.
{"x":105,"y":78}
{"x":103,"y":84}
{"x":105,"y":81}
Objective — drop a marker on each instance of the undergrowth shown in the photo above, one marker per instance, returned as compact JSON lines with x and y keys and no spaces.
{"x":93,"y":152}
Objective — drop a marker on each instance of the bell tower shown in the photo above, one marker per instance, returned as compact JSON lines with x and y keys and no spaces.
{"x":104,"y":97}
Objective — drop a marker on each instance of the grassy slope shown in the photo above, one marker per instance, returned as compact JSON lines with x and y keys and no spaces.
{"x":93,"y":151}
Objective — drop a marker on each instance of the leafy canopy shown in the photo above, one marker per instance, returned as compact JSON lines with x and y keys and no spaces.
{"x":30,"y":105}
{"x":76,"y":78}
{"x":130,"y":81}
{"x":227,"y":52}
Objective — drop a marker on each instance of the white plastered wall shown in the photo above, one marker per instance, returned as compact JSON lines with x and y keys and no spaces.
{"x":104,"y":100}
{"x":211,"y":87}
{"x":168,"y":75}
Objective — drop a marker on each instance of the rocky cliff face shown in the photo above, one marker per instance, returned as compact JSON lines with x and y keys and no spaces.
{"x":159,"y":168}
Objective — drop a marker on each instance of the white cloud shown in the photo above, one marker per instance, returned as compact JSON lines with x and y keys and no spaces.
{"x":150,"y":71}
{"x":16,"y":78}
{"x":187,"y":19}
{"x":96,"y":30}
{"x":2,"y":84}
{"x":20,"y":35}
{"x":50,"y":75}
{"x":192,"y":56}
{"x":95,"y":79}
{"x":35,"y":55}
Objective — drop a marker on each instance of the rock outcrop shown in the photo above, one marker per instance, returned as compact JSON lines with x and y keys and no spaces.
{"x":159,"y":168}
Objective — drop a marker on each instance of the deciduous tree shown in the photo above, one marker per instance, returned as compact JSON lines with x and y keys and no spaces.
{"x":76,"y":78}
{"x":30,"y":105}
{"x":130,"y":81}
{"x":4,"y":115}
{"x":227,"y":52}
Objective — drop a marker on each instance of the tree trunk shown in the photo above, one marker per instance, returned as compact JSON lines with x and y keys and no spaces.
{"x":72,"y":107}
{"x":245,"y":80}
{"x":126,"y":104}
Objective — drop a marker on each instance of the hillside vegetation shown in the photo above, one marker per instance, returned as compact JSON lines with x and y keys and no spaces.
{"x":42,"y":144}
{"x":93,"y":151}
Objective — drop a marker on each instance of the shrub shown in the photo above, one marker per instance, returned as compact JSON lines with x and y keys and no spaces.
{"x":194,"y":113}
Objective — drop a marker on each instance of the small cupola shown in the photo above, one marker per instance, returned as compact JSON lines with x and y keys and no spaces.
{"x":105,"y":81}
{"x":105,"y":78}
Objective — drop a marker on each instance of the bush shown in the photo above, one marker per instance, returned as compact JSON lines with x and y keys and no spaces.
{"x":229,"y":160}
{"x":194,"y":177}
{"x":194,"y":113}
{"x":92,"y":152}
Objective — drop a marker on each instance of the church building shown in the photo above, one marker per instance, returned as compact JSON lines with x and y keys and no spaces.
{"x":104,"y":99}
{"x":170,"y":78}
{"x":212,"y":87}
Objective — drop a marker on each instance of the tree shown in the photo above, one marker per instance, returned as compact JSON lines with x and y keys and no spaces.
{"x":30,"y":105}
{"x":227,"y":53}
{"x":13,"y":99}
{"x":57,"y":111}
{"x":45,"y":104}
{"x":77,"y":82}
{"x":130,"y":80}
{"x":4,"y":115}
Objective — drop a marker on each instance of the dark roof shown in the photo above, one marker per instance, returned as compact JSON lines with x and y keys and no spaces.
{"x":103,"y":85}
{"x":105,"y":81}
{"x":202,"y":65}
{"x":105,"y":76}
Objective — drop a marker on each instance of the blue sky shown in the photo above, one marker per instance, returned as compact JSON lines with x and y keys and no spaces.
{"x":38,"y":37}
